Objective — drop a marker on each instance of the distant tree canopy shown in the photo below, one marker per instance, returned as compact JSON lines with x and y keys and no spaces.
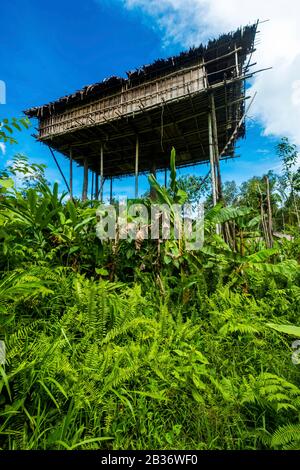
{"x":195,"y":186}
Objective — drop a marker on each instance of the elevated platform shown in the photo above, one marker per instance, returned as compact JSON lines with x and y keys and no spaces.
{"x":128,"y":126}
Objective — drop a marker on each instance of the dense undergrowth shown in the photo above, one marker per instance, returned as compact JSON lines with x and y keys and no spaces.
{"x":114,"y":346}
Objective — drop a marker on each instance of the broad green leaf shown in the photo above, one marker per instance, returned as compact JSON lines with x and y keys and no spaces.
{"x":288,"y":329}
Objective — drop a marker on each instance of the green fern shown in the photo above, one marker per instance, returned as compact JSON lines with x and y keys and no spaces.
{"x":287,"y":437}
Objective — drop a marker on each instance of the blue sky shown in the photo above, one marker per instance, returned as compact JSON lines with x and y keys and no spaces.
{"x":50,"y":49}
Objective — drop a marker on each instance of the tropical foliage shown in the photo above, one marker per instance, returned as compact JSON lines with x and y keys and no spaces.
{"x":119,"y":345}
{"x":9,"y":126}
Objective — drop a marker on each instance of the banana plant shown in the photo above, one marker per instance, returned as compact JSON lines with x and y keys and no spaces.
{"x":172,"y":195}
{"x":172,"y":250}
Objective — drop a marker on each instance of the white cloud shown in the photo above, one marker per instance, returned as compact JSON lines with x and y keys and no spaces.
{"x":189,"y":22}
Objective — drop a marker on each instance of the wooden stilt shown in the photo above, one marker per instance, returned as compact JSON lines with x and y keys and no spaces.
{"x":101,"y":173}
{"x":85,"y":179}
{"x":111,"y":191}
{"x":137,"y":167}
{"x":59,"y":169}
{"x":270,"y":216}
{"x":92,"y":188}
{"x":96,"y":186}
{"x":216,"y":148}
{"x":71,"y":174}
{"x":153,"y":172}
{"x":211,"y":159}
{"x":153,"y":169}
{"x":237,"y":67}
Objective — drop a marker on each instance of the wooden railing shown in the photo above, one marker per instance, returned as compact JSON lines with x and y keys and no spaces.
{"x":129,"y":101}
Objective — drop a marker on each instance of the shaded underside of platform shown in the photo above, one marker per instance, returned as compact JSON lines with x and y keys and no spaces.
{"x":181,"y":124}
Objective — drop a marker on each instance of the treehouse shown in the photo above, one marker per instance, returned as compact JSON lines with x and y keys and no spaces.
{"x":127,"y":126}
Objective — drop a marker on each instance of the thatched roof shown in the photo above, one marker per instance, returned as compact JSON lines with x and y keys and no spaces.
{"x":243,"y":38}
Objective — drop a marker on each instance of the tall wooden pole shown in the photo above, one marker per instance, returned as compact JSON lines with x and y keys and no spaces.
{"x":237,"y":67}
{"x":211,"y":159}
{"x":85,"y":179}
{"x":92,"y":189}
{"x":137,"y":167}
{"x":111,"y":190}
{"x":59,"y":169}
{"x":153,"y":194}
{"x":101,"y":173}
{"x":213,"y":167}
{"x":96,"y":186}
{"x":270,"y":215}
{"x":71,"y":174}
{"x":216,"y":148}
